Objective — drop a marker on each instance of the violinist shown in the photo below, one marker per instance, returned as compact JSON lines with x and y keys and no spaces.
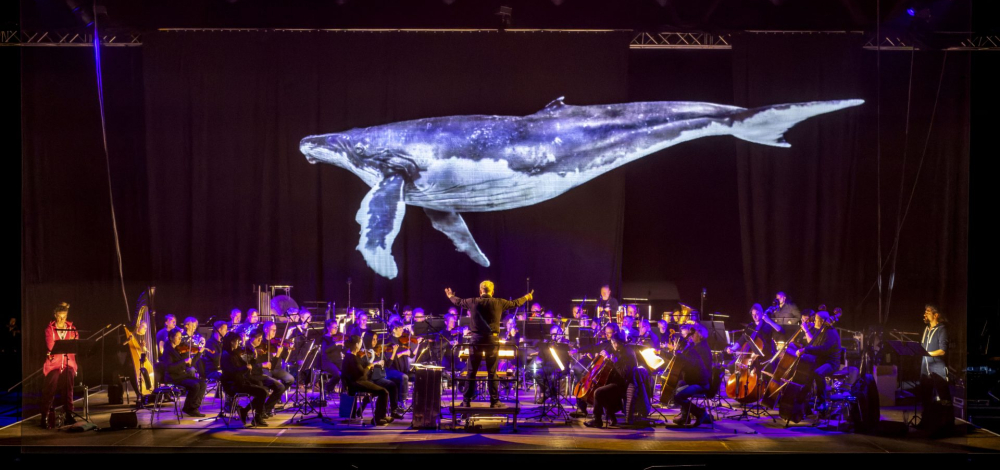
{"x":628,"y":329}
{"x":274,"y":351}
{"x":696,"y":366}
{"x":331,"y":352}
{"x":663,"y":334}
{"x":258,"y":359}
{"x":298,"y":336}
{"x":823,"y":353}
{"x":536,"y":310}
{"x":177,"y":368}
{"x":236,"y":377}
{"x":765,"y":329}
{"x":360,"y":325}
{"x":252,"y":323}
{"x":190,"y":336}
{"x":408,"y":318}
{"x":427,"y":349}
{"x":371,"y":359}
{"x":59,"y":370}
{"x":608,"y":398}
{"x":169,"y":323}
{"x":212,"y":355}
{"x":356,"y":379}
{"x":397,"y":361}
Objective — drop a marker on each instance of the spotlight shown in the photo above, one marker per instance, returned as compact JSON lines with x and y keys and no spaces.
{"x":911,"y":12}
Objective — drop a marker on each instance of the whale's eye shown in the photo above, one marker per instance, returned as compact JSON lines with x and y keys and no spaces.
{"x":359,"y":149}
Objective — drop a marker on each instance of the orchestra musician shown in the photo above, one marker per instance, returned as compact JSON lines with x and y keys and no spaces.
{"x":628,"y":329}
{"x":298,"y":335}
{"x":647,"y":337}
{"x":485,"y":330}
{"x":272,"y":352}
{"x":258,"y":359}
{"x":765,"y":328}
{"x":609,"y":330}
{"x":607,"y":306}
{"x":355,"y":377}
{"x":536,"y":310}
{"x":212,"y":355}
{"x":169,"y":323}
{"x":785,"y":308}
{"x":823,"y":353}
{"x":189,"y":335}
{"x":608,"y":398}
{"x":377,"y":373}
{"x":236,"y":377}
{"x":450,"y":338}
{"x":807,"y":325}
{"x":696,"y":366}
{"x":397,"y":362}
{"x":934,"y":368}
{"x":60,"y":369}
{"x":360,"y":325}
{"x":235,"y":315}
{"x":178,"y":370}
{"x":331,"y":352}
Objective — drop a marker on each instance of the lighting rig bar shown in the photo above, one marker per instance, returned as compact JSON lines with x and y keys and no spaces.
{"x":960,"y":41}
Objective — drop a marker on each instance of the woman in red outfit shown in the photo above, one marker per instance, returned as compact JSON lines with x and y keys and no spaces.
{"x":59,"y":369}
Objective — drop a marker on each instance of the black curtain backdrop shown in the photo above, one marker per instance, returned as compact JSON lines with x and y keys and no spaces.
{"x":233,"y":202}
{"x":808,"y":214}
{"x":222,"y":198}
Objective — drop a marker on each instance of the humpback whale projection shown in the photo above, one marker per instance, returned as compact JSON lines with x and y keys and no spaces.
{"x":448,"y":165}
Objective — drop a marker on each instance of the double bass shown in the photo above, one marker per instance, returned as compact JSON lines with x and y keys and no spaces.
{"x":792,"y":386}
{"x":742,"y":384}
{"x":672,"y":374}
{"x":783,"y":360}
{"x":137,"y":346}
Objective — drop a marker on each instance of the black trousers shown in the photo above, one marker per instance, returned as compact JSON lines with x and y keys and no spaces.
{"x":333,"y":372}
{"x":390,"y":387}
{"x":608,"y":399}
{"x":483,"y":348}
{"x":402,"y":383}
{"x":821,"y":371}
{"x":380,"y":393}
{"x":281,"y":375}
{"x":195,"y":393}
{"x":274,"y":386}
{"x":258,"y":395}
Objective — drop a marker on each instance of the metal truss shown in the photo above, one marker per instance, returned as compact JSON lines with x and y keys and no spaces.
{"x":640,"y":40}
{"x":668,"y":40}
{"x":68,"y":38}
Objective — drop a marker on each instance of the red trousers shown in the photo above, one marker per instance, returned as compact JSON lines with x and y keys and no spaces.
{"x":58,"y":383}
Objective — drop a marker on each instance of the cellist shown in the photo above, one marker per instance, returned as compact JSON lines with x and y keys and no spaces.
{"x":823,"y":353}
{"x":696,"y":366}
{"x":608,"y":398}
{"x":765,"y":329}
{"x":610,"y":330}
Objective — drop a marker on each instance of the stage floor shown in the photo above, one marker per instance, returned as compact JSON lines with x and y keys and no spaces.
{"x":728,"y":436}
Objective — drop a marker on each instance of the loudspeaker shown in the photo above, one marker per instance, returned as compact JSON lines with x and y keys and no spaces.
{"x":126,"y":420}
{"x":116,"y":394}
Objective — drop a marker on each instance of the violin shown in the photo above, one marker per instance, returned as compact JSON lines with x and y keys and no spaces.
{"x":192,"y":346}
{"x":408,"y":340}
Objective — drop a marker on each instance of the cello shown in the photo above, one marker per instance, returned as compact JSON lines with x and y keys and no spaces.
{"x":742,"y":384}
{"x":791,"y":404}
{"x":784,"y":360}
{"x":598,"y":374}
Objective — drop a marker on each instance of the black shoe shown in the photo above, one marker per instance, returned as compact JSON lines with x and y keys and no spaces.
{"x":194,"y":413}
{"x":466,"y":404}
{"x":612,"y":420}
{"x":497,"y":405}
{"x":594,"y":423}
{"x":397,"y":414}
{"x":701,"y":417}
{"x":578,"y":414}
{"x":259,"y":422}
{"x":68,"y":420}
{"x":379,"y":422}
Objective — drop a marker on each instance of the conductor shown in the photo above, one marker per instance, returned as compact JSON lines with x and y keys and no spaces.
{"x":485,"y":329}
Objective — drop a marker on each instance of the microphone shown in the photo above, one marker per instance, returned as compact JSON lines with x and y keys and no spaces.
{"x":704,"y":291}
{"x":348,"y":280}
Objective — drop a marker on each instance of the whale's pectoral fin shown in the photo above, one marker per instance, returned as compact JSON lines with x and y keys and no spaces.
{"x":453,"y":225}
{"x":767,"y":125}
{"x":381,"y":216}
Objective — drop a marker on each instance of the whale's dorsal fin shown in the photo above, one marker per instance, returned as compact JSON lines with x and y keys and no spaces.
{"x":453,"y":225}
{"x":555,"y":104}
{"x":380,"y":217}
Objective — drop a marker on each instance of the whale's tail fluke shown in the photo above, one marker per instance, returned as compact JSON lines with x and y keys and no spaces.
{"x":767,"y":125}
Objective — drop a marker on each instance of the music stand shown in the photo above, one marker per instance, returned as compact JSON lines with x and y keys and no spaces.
{"x":79,"y":347}
{"x":909,"y":349}
{"x":555,"y":363}
{"x":716,"y":334}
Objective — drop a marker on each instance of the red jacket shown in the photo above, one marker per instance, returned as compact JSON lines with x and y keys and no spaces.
{"x":59,"y":361}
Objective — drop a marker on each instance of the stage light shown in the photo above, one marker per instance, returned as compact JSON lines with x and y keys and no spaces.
{"x":911,"y":12}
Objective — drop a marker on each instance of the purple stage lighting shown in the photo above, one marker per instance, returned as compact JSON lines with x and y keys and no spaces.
{"x":911,"y":12}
